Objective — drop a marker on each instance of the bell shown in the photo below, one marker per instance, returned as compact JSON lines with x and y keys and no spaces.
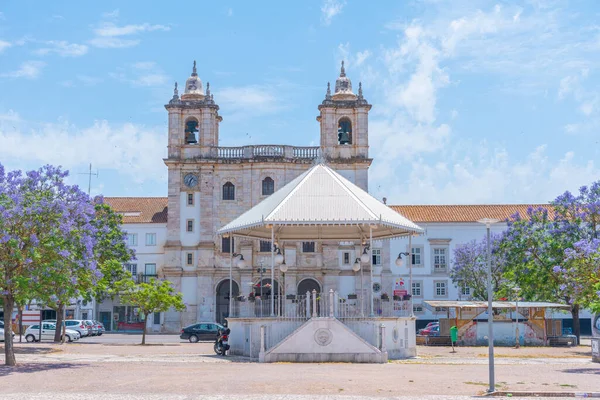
{"x":343,"y":136}
{"x":190,"y":138}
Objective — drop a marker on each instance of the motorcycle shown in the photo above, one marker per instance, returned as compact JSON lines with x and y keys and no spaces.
{"x":222,"y":342}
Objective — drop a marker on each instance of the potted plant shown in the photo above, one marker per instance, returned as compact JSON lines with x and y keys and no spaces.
{"x":385,"y":297}
{"x":290,"y":296}
{"x":240,"y":298}
{"x":352,"y":296}
{"x":251,"y":297}
{"x":397,"y":298}
{"x":406,"y":297}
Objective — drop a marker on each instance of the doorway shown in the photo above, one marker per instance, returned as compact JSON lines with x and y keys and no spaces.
{"x":222,"y":310}
{"x":105,"y":319}
{"x":308,"y":285}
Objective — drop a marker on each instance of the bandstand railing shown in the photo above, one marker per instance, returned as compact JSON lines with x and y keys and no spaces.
{"x":309,"y":305}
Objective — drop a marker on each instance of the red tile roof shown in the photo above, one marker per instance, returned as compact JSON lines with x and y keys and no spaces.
{"x":140,"y":210}
{"x":463,"y":213}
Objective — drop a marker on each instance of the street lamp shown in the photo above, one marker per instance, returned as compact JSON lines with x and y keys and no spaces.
{"x":241,"y":264}
{"x":488,"y":223}
{"x":516,"y":289}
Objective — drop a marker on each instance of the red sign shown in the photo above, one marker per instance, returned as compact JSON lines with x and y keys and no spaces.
{"x":400,"y":292}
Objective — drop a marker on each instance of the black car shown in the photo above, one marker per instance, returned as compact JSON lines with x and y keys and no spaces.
{"x":201,"y":331}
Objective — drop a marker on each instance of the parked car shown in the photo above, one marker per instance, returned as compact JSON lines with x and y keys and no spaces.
{"x":94,"y":327}
{"x":32,"y":334}
{"x":2,"y":334}
{"x":429,"y":325}
{"x":433,"y":330}
{"x":201,"y":331}
{"x":100,"y":326}
{"x":79,"y":325}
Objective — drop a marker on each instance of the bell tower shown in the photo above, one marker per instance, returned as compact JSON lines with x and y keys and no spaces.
{"x":193,"y":120}
{"x":344,"y":121}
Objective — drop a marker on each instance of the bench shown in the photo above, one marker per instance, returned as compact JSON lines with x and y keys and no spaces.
{"x":565,"y":340}
{"x":434,"y":340}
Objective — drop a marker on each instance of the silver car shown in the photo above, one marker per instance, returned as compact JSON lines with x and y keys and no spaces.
{"x":94,"y":327}
{"x":2,"y":334}
{"x":78,"y":325}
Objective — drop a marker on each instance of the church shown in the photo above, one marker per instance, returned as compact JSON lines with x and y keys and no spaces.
{"x":176,"y":238}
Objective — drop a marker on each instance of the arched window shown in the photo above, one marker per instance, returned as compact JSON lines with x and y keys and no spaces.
{"x":268,"y":186}
{"x":228,"y":191}
{"x":191,"y":127}
{"x":345,"y":131}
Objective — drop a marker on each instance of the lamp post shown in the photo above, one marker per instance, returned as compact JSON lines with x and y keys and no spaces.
{"x":399,"y":263}
{"x":275,"y":260}
{"x":516,"y":289}
{"x":261,"y":271}
{"x":365,"y":258}
{"x":488,"y":223}
{"x":241,"y":264}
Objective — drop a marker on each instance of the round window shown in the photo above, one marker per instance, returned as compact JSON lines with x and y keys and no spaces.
{"x":376,"y":287}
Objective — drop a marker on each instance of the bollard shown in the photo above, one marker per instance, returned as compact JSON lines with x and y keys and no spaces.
{"x":314,"y":301}
{"x":336,"y":304}
{"x":330,"y":303}
{"x":382,"y":334}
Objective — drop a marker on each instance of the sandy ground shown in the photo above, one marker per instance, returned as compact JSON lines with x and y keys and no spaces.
{"x":115,"y":365}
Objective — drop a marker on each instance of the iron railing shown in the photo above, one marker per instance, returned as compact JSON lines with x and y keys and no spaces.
{"x":309,"y":305}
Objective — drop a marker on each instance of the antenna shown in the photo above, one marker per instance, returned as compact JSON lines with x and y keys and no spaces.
{"x":90,"y":174}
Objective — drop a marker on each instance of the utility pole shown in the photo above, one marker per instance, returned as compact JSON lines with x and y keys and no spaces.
{"x":90,"y":174}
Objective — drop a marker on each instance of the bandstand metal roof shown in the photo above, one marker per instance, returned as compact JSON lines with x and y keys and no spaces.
{"x":495,"y":304}
{"x":320,"y":204}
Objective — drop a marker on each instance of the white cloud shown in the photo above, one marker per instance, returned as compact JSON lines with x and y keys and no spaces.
{"x":130,"y":150}
{"x":230,"y":12}
{"x":329,"y":9}
{"x":362,"y":56}
{"x":4,"y":45}
{"x":63,"y":49}
{"x":109,"y":29}
{"x":109,"y":35}
{"x":143,"y":73}
{"x":28,"y":70}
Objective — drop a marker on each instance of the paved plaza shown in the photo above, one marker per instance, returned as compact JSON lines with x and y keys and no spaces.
{"x":117,"y":367}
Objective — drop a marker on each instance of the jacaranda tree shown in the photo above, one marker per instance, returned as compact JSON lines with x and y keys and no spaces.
{"x":469,"y":267}
{"x":47,"y":238}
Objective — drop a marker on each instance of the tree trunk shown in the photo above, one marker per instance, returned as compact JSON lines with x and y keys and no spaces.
{"x":59,"y":321}
{"x":20,"y":324}
{"x":144,"y":331}
{"x":9,"y":350}
{"x":576,"y":327}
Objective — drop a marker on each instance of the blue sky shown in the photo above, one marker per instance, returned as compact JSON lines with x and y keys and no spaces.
{"x":473,"y":101}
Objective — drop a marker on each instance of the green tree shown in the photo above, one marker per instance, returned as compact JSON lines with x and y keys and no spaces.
{"x":155,"y":296}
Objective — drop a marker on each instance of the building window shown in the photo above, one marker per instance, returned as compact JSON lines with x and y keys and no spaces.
{"x":156,"y":318}
{"x":417,"y":308}
{"x":225,"y":248}
{"x":132,"y":239}
{"x":441,"y":309}
{"x":466,"y":291}
{"x":268,"y":186}
{"x":376,"y":256}
{"x":345,"y":131}
{"x":190,"y":259}
{"x":189,"y":225}
{"x":150,"y":269}
{"x":150,"y":239}
{"x":440,"y":289}
{"x":265,"y":246}
{"x":190,"y":199}
{"x":439,"y":259}
{"x":417,"y":253}
{"x":228,"y":191}
{"x":417,"y":289}
{"x":308,"y":247}
{"x":346,"y":256}
{"x":132,"y":268}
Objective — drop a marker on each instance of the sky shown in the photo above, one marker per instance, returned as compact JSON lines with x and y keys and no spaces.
{"x":473,"y":101}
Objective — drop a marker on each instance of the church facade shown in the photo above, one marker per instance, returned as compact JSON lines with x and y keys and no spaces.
{"x":211,"y":185}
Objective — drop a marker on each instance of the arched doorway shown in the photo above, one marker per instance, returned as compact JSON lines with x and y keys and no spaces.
{"x":222,"y":309}
{"x":308,"y":285}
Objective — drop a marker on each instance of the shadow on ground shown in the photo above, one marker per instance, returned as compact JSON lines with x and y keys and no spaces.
{"x":25,"y":349}
{"x":591,"y":371}
{"x":27,"y":368}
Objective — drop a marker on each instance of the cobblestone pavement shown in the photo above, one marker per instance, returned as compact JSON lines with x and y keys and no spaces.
{"x":116,"y":367}
{"x":77,"y":396}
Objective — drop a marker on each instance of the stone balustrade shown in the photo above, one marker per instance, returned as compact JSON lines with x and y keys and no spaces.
{"x":265,"y":151}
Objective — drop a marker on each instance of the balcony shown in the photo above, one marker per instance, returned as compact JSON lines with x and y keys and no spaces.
{"x":145,"y":278}
{"x":252,"y":152}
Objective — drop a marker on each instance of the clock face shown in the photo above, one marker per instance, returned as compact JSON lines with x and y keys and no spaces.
{"x":190,"y":180}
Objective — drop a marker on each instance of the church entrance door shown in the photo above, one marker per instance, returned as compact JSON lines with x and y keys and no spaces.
{"x":222,"y":309}
{"x":308,"y":285}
